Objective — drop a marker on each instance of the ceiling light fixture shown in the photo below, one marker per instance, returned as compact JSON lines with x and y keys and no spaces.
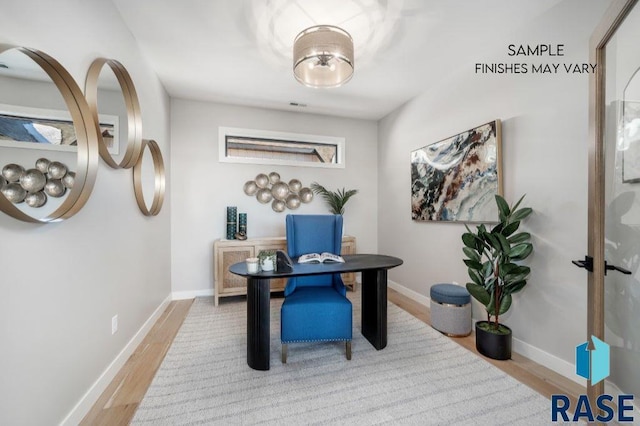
{"x":323,"y":56}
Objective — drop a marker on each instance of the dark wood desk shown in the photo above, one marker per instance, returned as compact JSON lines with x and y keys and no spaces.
{"x":374,"y":299}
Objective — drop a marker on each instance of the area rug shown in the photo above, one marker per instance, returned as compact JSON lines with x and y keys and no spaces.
{"x":421,"y":377}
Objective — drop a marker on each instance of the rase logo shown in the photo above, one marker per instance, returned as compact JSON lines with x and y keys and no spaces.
{"x":596,"y":366}
{"x":593,"y":365}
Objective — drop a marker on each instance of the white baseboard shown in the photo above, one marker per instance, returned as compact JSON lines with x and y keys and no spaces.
{"x":181,"y":295}
{"x":87,"y":401}
{"x":539,"y":356}
{"x":414,"y":295}
{"x":548,"y":360}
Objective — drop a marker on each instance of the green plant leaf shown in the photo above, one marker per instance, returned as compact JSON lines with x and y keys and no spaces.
{"x":471,"y":253}
{"x":479,"y":293}
{"x":473,"y":264}
{"x":493,"y":241}
{"x":521,"y":214}
{"x":515,"y":207}
{"x":487,"y":269}
{"x":520,"y":238}
{"x":505,"y":303}
{"x":521,"y":251}
{"x":503,"y":206}
{"x":515,"y":286}
{"x":469,"y":240}
{"x":504,"y":244}
{"x":510,"y":228}
{"x":475,"y":277}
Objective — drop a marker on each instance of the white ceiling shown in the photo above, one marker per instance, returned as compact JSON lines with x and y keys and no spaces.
{"x":219,"y":50}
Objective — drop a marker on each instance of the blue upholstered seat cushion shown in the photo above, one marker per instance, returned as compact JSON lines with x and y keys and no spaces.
{"x":315,"y":313}
{"x":450,"y":293}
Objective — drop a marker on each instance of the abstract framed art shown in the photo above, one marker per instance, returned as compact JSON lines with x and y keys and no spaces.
{"x":456,"y":179}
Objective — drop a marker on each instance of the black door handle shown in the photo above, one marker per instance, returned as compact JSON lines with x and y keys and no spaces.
{"x":587,"y":264}
{"x":608,"y":267}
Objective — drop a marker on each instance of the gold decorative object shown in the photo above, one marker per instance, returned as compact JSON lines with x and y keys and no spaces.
{"x":12,"y":172}
{"x":159,"y":179}
{"x":42,"y":164}
{"x":280,"y":190}
{"x":33,"y":180}
{"x":270,"y":188}
{"x":36,"y":199}
{"x":134,"y":117}
{"x":54,"y":188}
{"x":37,"y":185}
{"x":69,"y":180}
{"x":295,"y":185}
{"x":14,"y":192}
{"x":262,"y":180}
{"x":274,"y":177}
{"x":56,"y":170}
{"x":293,"y":202}
{"x":250,"y":187}
{"x":278,"y":206}
{"x":87,"y":140}
{"x":306,"y":195}
{"x":264,"y":195}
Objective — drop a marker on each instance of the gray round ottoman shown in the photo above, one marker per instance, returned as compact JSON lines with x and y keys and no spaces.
{"x":450,"y":309}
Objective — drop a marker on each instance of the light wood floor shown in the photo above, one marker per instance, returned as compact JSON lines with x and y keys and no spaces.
{"x":118,"y":403}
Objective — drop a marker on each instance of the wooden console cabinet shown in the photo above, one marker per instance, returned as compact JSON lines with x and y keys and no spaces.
{"x":228,"y":252}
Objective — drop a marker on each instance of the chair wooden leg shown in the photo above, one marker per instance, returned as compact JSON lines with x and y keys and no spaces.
{"x":284,"y":353}
{"x":348,"y":350}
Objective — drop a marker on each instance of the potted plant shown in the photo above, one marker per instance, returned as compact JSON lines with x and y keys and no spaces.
{"x":267,"y":260}
{"x":337,"y":199}
{"x":492,"y":257}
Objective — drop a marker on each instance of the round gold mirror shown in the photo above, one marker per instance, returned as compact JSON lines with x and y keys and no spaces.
{"x":114,"y":103}
{"x":48,"y":138}
{"x":149,"y":179}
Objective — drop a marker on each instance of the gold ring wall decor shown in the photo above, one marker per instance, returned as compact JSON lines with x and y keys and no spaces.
{"x":87,"y":140}
{"x":159,"y":179}
{"x":134,"y":119}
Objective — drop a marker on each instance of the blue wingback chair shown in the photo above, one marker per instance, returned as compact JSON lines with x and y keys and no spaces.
{"x":315,"y":308}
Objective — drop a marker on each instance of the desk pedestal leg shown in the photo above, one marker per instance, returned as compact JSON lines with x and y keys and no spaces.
{"x":374,"y":307}
{"x":258,"y":319}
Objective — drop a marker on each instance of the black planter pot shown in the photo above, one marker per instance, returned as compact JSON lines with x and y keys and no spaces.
{"x":492,"y":345}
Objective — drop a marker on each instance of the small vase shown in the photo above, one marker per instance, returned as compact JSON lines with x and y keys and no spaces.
{"x":267,"y":264}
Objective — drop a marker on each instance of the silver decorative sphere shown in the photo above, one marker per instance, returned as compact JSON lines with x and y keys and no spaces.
{"x":280,"y":191}
{"x":33,"y":180}
{"x":12,"y":172}
{"x":42,"y":164}
{"x":69,"y":179}
{"x":278,"y":206}
{"x":3,"y":182}
{"x":36,"y":199}
{"x":54,"y":188}
{"x":306,"y":195}
{"x":250,"y":187}
{"x":57,"y":170}
{"x":274,"y":177}
{"x":14,"y":192}
{"x":293,"y":202}
{"x":262,"y":180}
{"x":295,"y":185}
{"x":264,"y":195}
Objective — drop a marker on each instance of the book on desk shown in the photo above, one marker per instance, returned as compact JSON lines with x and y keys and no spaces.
{"x":320,"y":258}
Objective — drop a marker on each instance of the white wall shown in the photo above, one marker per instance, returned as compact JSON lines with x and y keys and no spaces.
{"x":61,"y":283}
{"x":204,"y":186}
{"x":545,"y":122}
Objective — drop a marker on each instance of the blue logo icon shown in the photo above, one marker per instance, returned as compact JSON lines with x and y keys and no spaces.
{"x":593,"y":364}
